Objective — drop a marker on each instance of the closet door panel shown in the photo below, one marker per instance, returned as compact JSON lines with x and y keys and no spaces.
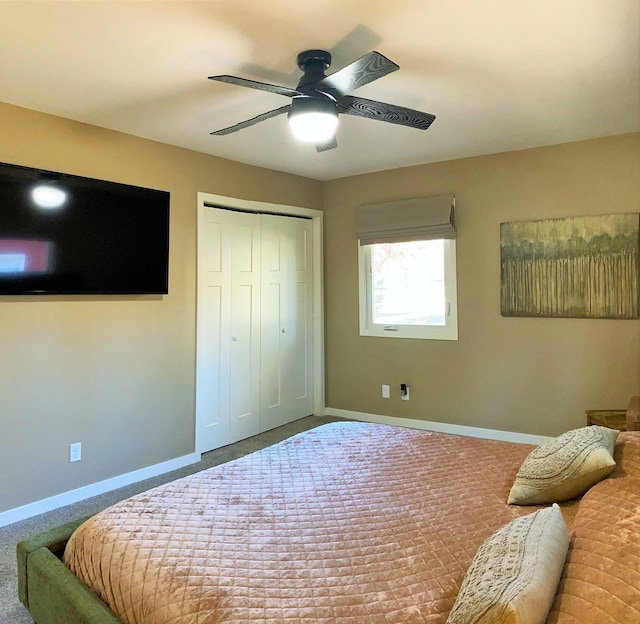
{"x":270,"y":370}
{"x":228,"y":358}
{"x":212,"y":396}
{"x":211,"y":391}
{"x":273,"y":318}
{"x":301,"y":392}
{"x":299,"y":373}
{"x":244,"y":363}
{"x":286,"y":321}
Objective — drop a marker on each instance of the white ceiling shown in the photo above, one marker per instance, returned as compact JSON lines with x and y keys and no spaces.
{"x":499,"y":74}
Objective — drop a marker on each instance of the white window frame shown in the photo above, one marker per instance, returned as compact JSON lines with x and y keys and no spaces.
{"x":448,"y":331}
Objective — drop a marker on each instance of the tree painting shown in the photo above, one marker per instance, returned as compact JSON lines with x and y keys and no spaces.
{"x":582,"y":267}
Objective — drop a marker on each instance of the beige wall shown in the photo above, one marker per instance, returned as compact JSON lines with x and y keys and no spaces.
{"x":519,"y":374}
{"x":115,"y":373}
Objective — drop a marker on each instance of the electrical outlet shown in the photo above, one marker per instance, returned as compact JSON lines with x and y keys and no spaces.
{"x":386,"y":391}
{"x":404,"y":392}
{"x":75,"y":452}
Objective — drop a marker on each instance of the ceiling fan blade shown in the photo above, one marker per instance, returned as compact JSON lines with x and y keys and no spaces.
{"x":253,"y":84}
{"x":385,"y":112}
{"x":252,"y":121}
{"x":324,"y":147}
{"x":366,"y":69}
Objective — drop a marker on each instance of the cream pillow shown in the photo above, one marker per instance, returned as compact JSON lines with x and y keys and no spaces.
{"x":565,"y":467}
{"x":514,"y":576}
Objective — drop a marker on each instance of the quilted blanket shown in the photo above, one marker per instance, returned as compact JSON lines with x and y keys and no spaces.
{"x":349,"y":523}
{"x":601,"y":579}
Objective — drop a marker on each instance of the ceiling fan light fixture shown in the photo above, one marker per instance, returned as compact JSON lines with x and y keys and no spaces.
{"x":313,"y":120}
{"x":313,"y":127}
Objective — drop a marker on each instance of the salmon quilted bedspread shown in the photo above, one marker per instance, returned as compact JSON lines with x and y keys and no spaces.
{"x":349,"y":523}
{"x":601,"y":579}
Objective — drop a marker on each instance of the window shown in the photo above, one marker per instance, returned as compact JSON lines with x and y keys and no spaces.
{"x":407,"y":266}
{"x":408,"y":289}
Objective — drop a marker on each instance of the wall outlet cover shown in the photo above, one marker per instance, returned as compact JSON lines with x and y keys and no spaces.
{"x":75,"y":452}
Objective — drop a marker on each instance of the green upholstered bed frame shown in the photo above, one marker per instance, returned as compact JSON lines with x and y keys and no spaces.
{"x":49,"y":590}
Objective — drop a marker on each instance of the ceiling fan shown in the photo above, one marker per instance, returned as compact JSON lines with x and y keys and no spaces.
{"x":318,"y":98}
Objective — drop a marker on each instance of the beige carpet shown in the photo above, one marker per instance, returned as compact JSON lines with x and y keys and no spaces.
{"x":12,"y":611}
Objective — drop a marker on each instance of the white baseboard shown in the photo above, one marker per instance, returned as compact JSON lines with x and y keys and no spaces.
{"x":87,"y":491}
{"x":426,"y":425}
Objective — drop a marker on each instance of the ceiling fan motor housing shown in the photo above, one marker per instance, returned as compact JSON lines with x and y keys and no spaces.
{"x":313,"y":63}
{"x":321,"y":57}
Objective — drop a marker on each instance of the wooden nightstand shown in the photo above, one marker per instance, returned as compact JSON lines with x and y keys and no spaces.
{"x":624,"y":420}
{"x":614,"y":419}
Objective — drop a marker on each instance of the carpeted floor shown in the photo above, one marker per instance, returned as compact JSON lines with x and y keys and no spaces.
{"x":12,"y":611}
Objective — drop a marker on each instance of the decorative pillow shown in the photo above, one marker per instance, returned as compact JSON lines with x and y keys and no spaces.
{"x":514,"y":576}
{"x":565,"y":467}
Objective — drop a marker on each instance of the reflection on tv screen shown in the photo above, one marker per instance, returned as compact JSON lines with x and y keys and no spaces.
{"x":24,"y":256}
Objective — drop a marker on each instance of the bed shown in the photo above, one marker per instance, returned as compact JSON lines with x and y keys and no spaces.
{"x":347,"y":523}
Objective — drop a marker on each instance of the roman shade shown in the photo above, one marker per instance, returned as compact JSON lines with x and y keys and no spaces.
{"x":426,"y":218}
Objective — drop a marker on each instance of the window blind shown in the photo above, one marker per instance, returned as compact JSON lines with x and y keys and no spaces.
{"x":426,"y":218}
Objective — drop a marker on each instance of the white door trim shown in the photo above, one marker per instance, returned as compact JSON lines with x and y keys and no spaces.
{"x":219,"y":201}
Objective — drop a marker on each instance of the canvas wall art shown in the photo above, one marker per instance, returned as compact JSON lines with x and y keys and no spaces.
{"x":580,"y":267}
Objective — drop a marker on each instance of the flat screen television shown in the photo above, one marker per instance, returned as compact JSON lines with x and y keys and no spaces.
{"x":62,"y":234}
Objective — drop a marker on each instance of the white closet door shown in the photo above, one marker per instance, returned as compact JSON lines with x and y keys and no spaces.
{"x":244,"y":364}
{"x":286,"y":321}
{"x":228,"y":359}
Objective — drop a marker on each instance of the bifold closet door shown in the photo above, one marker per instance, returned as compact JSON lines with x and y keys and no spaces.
{"x":286,"y":351}
{"x":228,"y":381}
{"x":255,"y":334}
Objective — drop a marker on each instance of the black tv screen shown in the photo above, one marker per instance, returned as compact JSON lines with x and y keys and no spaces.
{"x":64,"y":234}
